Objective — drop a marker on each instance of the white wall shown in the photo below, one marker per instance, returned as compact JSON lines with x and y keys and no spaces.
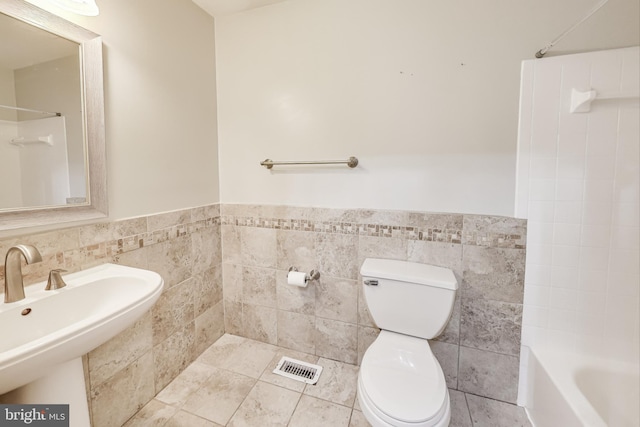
{"x":579,"y":185}
{"x":425,"y":94}
{"x":160,"y":104}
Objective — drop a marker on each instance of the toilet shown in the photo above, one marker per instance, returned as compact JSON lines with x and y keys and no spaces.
{"x":400,"y":383}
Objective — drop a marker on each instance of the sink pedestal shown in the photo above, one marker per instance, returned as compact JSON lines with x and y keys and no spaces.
{"x":63,"y":385}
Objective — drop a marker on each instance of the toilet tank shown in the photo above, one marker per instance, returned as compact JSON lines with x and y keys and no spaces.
{"x":409,"y":298}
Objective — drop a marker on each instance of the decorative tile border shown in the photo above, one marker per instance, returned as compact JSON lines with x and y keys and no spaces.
{"x":483,"y":231}
{"x":74,"y":259}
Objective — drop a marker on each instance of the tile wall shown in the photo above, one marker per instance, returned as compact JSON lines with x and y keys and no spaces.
{"x":226,"y":271}
{"x":579,"y":187}
{"x":184,"y":247}
{"x":479,"y":349}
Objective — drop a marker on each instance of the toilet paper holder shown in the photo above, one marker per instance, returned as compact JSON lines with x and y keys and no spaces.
{"x":312,"y":275}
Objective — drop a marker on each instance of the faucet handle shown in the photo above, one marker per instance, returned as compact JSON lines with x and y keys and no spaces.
{"x":55,"y":279}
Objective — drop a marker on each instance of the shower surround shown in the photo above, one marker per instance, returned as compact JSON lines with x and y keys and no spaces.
{"x":225,"y":271}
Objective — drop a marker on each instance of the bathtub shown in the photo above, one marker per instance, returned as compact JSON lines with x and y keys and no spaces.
{"x":569,"y":390}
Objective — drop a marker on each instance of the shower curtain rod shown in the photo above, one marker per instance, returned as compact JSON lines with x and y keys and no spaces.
{"x":10,"y":107}
{"x":544,"y":50}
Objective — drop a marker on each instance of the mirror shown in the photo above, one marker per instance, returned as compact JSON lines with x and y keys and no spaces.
{"x":51,"y":119}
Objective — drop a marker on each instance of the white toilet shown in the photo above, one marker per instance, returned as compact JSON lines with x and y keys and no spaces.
{"x":401,"y":384}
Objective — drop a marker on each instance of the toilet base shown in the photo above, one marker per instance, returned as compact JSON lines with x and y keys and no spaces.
{"x":376,"y":419}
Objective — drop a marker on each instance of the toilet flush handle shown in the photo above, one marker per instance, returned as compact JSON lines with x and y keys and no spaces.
{"x":371,"y":282}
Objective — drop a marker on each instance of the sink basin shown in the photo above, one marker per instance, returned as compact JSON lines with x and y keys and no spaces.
{"x":63,"y":324}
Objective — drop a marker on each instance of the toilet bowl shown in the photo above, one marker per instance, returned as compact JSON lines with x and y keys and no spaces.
{"x":401,"y":383}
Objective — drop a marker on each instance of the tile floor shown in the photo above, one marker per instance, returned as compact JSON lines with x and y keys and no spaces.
{"x":232,"y":384}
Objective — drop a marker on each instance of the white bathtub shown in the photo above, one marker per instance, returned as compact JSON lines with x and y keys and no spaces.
{"x":574,"y":390}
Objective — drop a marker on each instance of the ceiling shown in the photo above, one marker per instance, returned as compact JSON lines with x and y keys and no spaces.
{"x":22,"y":45}
{"x":228,"y":7}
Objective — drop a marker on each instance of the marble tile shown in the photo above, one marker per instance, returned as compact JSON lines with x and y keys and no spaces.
{"x":492,"y":413}
{"x":232,"y":282}
{"x":233,"y":323}
{"x":209,"y":327}
{"x":48,"y":243}
{"x":451,"y":333}
{"x":358,"y":419}
{"x":207,"y":289}
{"x":259,"y":286}
{"x":495,"y":231}
{"x":491,"y":325}
{"x":190,"y":380}
{"x":437,"y":221}
{"x":291,"y":384}
{"x":185,"y":419}
{"x":240,"y":355}
{"x":337,"y":255}
{"x":459,"y":411}
{"x":172,"y":260}
{"x":201,"y":213}
{"x":168,"y":219}
{"x":258,"y":247}
{"x":219,"y":398}
{"x":173,"y":310}
{"x":222,"y":351}
{"x":366,"y":337}
{"x":488,"y":374}
{"x":136,"y":258}
{"x":296,"y":331}
{"x":296,"y":249}
{"x":265,"y":405}
{"x":206,"y":248}
{"x":337,"y":299}
{"x":173,"y":355}
{"x":116,"y":400}
{"x":381,"y":247}
{"x":105,"y":231}
{"x":153,"y":414}
{"x":493,"y":273}
{"x":120,"y":351}
{"x":312,"y":412}
{"x":260,"y":323}
{"x":337,"y":383}
{"x":294,"y":298}
{"x":448,"y":255}
{"x":364,"y":316}
{"x":383,"y":217}
{"x":447,"y":356}
{"x":336,"y":340}
{"x":231,"y":244}
{"x":331,"y":215}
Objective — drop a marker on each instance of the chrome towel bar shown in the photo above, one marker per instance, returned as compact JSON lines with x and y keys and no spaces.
{"x":352,"y":162}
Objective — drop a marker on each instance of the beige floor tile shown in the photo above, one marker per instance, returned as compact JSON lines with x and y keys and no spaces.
{"x":337,"y":383}
{"x":152,"y":414}
{"x":266,"y":405}
{"x":312,"y":412}
{"x":219,"y":398}
{"x":185,"y":419}
{"x":190,"y":380}
{"x":240,"y":355}
{"x":358,"y":420}
{"x":269,"y":377}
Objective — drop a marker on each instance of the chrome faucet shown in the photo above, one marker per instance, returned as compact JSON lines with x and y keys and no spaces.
{"x":13,"y":285}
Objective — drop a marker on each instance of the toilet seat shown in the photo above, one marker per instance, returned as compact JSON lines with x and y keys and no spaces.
{"x":402,"y":384}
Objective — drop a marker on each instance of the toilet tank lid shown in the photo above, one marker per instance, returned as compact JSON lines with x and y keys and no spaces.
{"x":412,"y":272}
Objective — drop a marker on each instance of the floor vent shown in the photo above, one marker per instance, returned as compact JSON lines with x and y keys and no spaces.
{"x":297,"y":370}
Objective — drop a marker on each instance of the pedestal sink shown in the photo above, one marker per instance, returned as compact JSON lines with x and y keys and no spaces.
{"x":43,"y":336}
